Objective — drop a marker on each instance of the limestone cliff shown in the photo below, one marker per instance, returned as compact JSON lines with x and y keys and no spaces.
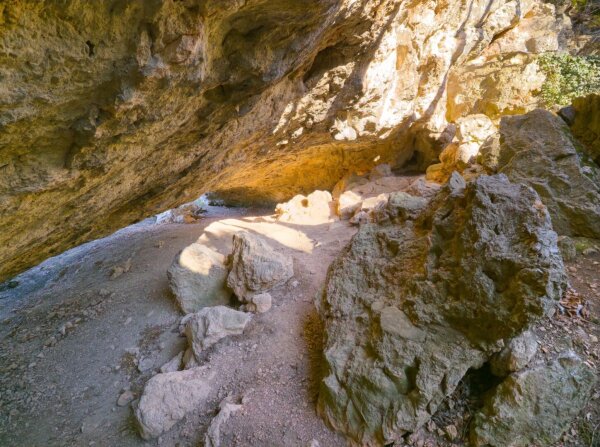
{"x":114,"y":110}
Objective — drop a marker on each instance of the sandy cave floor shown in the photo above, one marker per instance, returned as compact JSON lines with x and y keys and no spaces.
{"x":70,"y":337}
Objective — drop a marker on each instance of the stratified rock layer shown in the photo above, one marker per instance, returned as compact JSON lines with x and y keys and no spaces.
{"x":414,"y":302}
{"x":111,"y":111}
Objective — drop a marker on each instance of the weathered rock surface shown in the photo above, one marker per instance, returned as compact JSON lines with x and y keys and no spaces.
{"x":537,"y":149}
{"x":168,"y":397}
{"x":534,"y":406}
{"x":416,"y":301}
{"x":114,"y":111}
{"x":515,"y":355}
{"x":567,"y":248}
{"x":316,"y":208}
{"x":359,"y":198}
{"x":206,"y":327}
{"x":198,"y":278}
{"x":188,"y":213}
{"x":348,"y":203}
{"x":256,"y":267}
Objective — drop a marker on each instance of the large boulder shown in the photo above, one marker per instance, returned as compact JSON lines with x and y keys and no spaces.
{"x":168,"y":397}
{"x":537,"y":149}
{"x":433,"y":290}
{"x":198,"y":277}
{"x":205,"y":328}
{"x":256,"y":267}
{"x":534,"y":406}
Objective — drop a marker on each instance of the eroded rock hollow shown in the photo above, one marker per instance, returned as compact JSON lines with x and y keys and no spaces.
{"x":111,"y":111}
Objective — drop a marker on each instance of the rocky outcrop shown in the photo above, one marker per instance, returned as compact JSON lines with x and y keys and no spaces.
{"x":198,"y":278}
{"x":255,"y":267}
{"x":428,"y":293}
{"x":168,"y":397}
{"x":534,"y":406}
{"x":537,"y":149}
{"x":359,"y":198}
{"x":114,"y":111}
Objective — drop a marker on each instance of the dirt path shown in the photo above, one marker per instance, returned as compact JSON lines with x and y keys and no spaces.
{"x":71,"y":336}
{"x":73,"y":339}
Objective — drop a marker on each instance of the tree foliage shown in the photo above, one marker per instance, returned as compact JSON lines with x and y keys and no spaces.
{"x":568,"y":77}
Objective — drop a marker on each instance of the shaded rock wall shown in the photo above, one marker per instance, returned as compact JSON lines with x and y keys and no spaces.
{"x":111,"y":111}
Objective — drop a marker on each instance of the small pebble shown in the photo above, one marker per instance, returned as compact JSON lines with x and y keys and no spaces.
{"x":125,"y":398}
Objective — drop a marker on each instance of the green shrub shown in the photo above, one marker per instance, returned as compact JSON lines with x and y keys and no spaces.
{"x":568,"y":77}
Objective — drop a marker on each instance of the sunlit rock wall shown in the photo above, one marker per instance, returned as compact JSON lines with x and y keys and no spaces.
{"x":114,"y":110}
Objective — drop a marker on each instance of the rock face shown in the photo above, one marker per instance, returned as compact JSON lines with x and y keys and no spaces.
{"x":417,"y":300}
{"x":586,"y":124}
{"x":168,"y":398}
{"x":256,"y":267}
{"x":534,"y":406}
{"x":538,"y":149}
{"x":114,"y":111}
{"x":198,"y":278}
{"x":205,"y":328}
